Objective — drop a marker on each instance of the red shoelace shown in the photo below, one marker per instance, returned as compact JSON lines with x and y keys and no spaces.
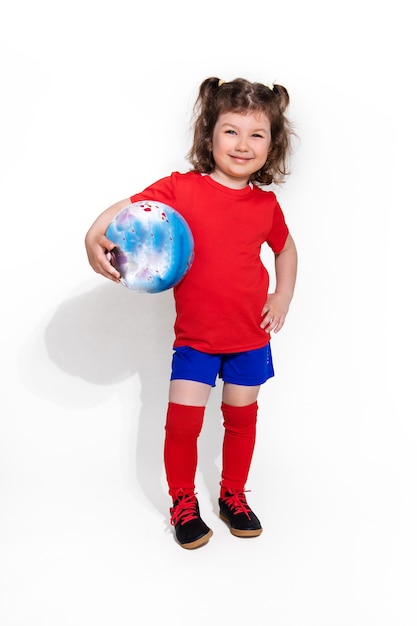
{"x":185,"y":509}
{"x":236,"y":500}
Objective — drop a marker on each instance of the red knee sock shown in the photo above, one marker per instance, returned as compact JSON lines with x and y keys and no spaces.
{"x":182,"y":428}
{"x":238,"y":445}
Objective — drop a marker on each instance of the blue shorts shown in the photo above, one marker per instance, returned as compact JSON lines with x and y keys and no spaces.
{"x":250,"y":368}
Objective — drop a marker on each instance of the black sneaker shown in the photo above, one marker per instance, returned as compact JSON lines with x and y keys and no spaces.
{"x":190,"y":530}
{"x":235,"y":511}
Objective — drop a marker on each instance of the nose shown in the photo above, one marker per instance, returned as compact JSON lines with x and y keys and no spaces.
{"x":241,"y":144}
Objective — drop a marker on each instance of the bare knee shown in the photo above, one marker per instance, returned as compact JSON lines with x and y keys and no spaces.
{"x":240,"y":395}
{"x":189,"y":392}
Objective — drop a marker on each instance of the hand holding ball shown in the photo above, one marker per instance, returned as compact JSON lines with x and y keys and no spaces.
{"x":154,"y":246}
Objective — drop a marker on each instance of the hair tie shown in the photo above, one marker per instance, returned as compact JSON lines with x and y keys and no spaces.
{"x":271,"y":87}
{"x":220,"y":83}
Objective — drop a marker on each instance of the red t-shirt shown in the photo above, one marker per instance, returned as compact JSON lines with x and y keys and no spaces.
{"x":219,"y":301}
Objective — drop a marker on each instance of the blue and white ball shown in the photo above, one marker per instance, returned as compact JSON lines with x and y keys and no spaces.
{"x":155,"y":246}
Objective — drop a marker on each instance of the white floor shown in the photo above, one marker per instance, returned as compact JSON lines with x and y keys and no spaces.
{"x":85,"y":535}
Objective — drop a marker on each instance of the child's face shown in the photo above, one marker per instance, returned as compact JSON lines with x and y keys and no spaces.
{"x":240,"y":147}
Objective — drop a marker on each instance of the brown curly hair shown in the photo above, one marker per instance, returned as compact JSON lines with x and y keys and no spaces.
{"x":241,"y":96}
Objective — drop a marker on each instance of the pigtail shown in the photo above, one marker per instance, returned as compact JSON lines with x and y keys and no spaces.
{"x":207,"y":91}
{"x":282,"y":95}
{"x":204,"y":117}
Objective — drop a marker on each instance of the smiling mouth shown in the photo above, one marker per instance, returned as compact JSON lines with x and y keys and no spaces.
{"x":240,"y":158}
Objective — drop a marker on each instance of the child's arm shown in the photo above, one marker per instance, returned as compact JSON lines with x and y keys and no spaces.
{"x":277,"y":304}
{"x":97,"y":244}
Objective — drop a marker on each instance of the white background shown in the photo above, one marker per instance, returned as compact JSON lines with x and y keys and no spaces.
{"x":95,"y":104}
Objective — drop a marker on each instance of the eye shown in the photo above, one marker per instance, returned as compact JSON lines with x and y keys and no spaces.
{"x":230,"y":132}
{"x":257,"y":135}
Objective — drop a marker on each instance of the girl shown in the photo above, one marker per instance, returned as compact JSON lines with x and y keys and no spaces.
{"x":224,"y":315}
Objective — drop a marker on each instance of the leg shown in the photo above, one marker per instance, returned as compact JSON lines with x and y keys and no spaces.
{"x":189,"y":392}
{"x":240,"y":395}
{"x":187,"y":400}
{"x":239,"y":408}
